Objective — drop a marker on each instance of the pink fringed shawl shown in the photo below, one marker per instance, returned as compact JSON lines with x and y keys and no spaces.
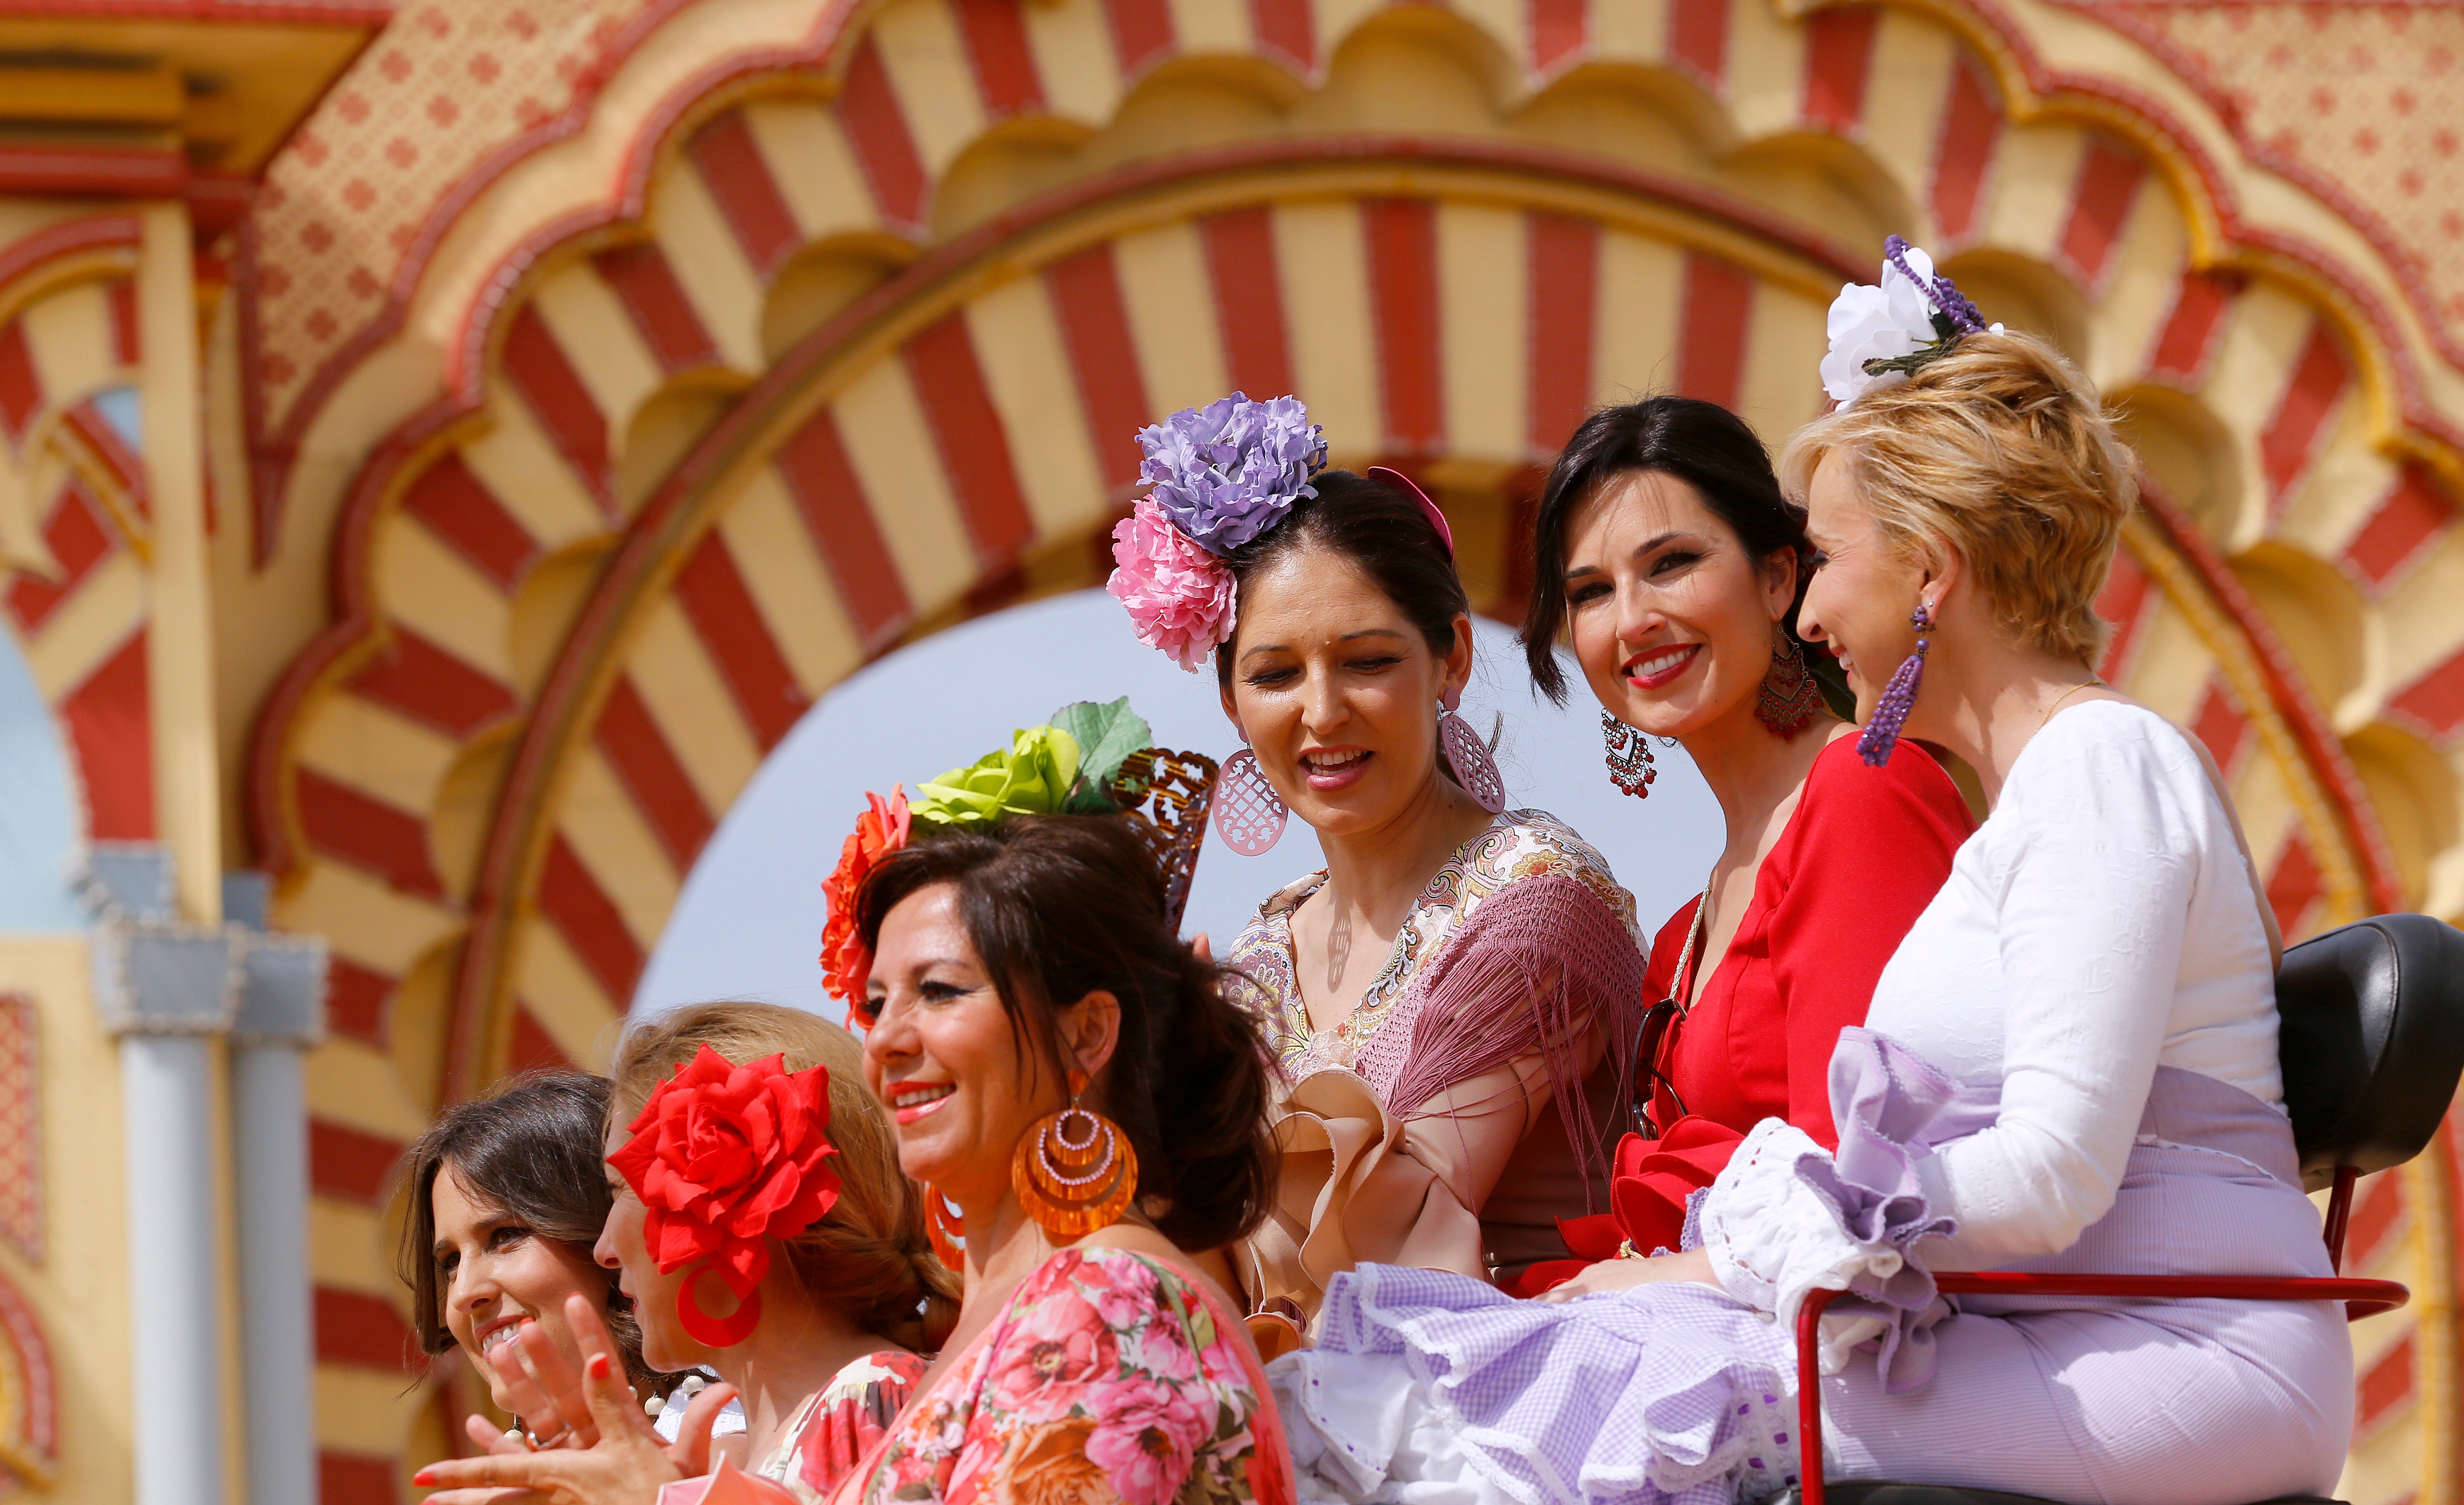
{"x":1542,"y":968}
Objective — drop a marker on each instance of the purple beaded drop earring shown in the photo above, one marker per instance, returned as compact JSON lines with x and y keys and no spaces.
{"x":1881,"y":734}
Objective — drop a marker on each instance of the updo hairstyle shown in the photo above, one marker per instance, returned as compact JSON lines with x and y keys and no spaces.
{"x":1060,"y":906}
{"x":2002,"y":451}
{"x":531,"y":1150}
{"x":1700,"y":443}
{"x":1383,"y":533}
{"x":869,"y":1256}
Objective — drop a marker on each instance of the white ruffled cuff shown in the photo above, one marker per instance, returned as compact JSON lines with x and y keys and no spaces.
{"x":1771,"y":1237}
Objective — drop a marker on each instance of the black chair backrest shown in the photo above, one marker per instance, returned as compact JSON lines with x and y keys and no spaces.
{"x":2373,"y":1041}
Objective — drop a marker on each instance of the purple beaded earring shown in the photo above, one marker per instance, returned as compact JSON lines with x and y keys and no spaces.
{"x":1881,"y":734}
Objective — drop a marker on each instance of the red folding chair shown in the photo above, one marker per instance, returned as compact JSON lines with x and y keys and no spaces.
{"x":2372,"y":1045}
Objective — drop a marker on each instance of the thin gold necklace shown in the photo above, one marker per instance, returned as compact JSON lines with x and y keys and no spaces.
{"x":2091,"y":682}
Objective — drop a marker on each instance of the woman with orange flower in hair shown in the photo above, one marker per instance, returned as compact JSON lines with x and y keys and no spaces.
{"x":1069,"y":1076}
{"x":762,"y":1230}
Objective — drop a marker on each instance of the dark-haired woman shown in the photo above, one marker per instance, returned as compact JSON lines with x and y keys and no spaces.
{"x":1069,"y":1072}
{"x":506,"y":1198}
{"x":1456,"y":964}
{"x":1669,"y":561}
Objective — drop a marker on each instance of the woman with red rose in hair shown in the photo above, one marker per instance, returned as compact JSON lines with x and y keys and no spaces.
{"x":762,"y":1230}
{"x":1069,"y":1072}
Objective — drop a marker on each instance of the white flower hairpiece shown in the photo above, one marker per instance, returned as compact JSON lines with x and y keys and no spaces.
{"x":1881,"y":334}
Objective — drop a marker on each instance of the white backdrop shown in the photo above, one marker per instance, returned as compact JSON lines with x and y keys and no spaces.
{"x":749,"y":923}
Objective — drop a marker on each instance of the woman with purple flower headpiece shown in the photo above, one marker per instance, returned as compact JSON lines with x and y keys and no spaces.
{"x":2069,"y":1064}
{"x":1457,"y":964}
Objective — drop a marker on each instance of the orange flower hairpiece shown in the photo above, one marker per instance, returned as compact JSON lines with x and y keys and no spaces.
{"x":879,"y":831}
{"x":726,"y":1157}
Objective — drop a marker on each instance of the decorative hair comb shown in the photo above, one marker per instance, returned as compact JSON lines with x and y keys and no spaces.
{"x":1089,"y":759}
{"x":1881,"y":334}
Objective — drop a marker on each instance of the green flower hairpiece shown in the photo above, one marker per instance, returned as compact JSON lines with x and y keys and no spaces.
{"x":1065,"y":767}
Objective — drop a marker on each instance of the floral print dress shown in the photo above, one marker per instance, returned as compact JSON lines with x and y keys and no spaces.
{"x":1110,"y":1377}
{"x":831,"y":1432}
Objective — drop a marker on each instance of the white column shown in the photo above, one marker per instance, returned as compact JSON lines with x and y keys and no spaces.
{"x":168,"y":989}
{"x":281,"y":1016}
{"x":165,"y":1086}
{"x":270,"y":1134}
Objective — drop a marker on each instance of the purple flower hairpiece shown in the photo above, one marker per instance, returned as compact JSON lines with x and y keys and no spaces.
{"x":1222,"y":475}
{"x":1229,"y":470}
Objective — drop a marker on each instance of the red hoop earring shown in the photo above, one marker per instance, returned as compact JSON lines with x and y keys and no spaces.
{"x":717,"y":1331}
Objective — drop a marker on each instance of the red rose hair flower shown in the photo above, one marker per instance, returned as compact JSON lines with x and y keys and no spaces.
{"x":726,"y":1157}
{"x":879,"y":831}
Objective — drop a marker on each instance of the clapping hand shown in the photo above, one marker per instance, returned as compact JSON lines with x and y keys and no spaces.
{"x":625,"y":1461}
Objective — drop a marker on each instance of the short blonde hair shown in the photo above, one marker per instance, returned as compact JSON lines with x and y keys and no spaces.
{"x":2002,"y":451}
{"x":869,"y":1256}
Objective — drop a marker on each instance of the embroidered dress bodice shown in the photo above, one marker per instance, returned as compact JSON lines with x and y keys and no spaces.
{"x":1517,"y":845}
{"x":1110,"y":1377}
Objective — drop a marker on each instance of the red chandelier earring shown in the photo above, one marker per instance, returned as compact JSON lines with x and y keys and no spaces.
{"x":1789,"y":697}
{"x":1630,"y":765}
{"x":717,"y":1331}
{"x":1074,"y":1171}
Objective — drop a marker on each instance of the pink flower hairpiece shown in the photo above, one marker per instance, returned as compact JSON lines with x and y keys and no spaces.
{"x":1179,"y":596}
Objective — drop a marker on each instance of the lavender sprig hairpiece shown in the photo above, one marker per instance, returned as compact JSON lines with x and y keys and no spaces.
{"x":1881,"y":333}
{"x":1943,"y":294}
{"x":1229,"y":470}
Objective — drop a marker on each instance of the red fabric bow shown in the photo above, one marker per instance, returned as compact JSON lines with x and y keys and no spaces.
{"x":879,"y":832}
{"x":725,"y":1158}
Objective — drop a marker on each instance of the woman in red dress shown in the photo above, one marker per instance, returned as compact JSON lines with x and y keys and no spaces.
{"x":1669,"y":560}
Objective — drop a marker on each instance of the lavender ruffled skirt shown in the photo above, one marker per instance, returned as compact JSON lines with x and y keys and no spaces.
{"x":1428,"y":1389}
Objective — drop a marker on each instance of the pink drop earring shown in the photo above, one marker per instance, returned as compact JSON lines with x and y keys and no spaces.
{"x":1474,"y":766}
{"x":1249,"y":815}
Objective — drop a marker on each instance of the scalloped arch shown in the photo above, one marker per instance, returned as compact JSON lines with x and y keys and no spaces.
{"x":670,"y":482}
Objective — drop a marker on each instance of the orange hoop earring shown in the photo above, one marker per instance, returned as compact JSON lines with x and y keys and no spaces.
{"x":946,"y":1230}
{"x":1074,"y":1171}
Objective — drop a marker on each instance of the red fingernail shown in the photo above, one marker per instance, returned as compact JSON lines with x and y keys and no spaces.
{"x":599,"y":1366}
{"x":423,"y":1479}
